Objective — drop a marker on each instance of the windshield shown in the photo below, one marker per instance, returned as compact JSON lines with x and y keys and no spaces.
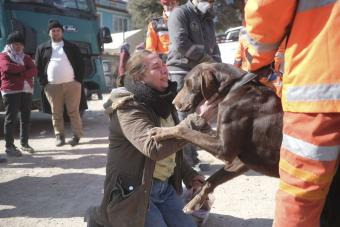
{"x":82,"y":5}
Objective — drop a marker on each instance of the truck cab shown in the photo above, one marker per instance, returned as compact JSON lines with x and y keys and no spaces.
{"x":80,"y":27}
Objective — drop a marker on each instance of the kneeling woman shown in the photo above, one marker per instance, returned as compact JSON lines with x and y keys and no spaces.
{"x":144,"y":178}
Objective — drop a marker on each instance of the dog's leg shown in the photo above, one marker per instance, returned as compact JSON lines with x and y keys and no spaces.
{"x":228,"y":172}
{"x":205,"y":141}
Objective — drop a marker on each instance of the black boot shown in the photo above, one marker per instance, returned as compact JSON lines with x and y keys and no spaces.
{"x":60,"y":140}
{"x":74,"y":141}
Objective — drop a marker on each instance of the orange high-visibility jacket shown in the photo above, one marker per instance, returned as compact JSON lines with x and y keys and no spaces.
{"x":241,"y":52}
{"x":157,"y":38}
{"x":311,"y":81}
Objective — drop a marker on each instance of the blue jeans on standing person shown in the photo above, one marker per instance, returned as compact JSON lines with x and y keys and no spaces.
{"x":165,"y":207}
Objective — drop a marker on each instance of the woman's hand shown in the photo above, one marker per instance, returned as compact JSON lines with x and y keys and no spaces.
{"x":207,"y":109}
{"x":196,"y":183}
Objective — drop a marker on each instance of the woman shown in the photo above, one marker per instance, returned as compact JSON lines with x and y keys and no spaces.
{"x":144,"y":178}
{"x":17,"y":71}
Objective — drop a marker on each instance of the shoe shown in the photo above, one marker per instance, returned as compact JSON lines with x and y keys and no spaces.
{"x":90,"y":218}
{"x":74,"y":141}
{"x":13,"y":151}
{"x":3,"y":159}
{"x":60,"y":140}
{"x":26,"y":148}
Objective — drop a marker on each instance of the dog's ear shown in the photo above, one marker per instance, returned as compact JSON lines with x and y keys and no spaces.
{"x":208,"y":84}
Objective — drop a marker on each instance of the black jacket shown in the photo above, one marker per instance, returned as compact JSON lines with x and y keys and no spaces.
{"x":42,"y":59}
{"x":43,"y":56}
{"x":192,"y":38}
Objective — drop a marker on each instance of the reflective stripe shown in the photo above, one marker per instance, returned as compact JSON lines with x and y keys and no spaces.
{"x":302,"y":193}
{"x":304,"y":175}
{"x":305,"y":5}
{"x":314,"y":92}
{"x":260,"y":47}
{"x":308,"y":150}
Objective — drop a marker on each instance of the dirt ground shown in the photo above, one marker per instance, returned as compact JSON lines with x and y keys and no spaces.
{"x":54,"y":186}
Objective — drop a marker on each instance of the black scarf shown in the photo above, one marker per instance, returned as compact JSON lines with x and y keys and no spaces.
{"x":159,"y":102}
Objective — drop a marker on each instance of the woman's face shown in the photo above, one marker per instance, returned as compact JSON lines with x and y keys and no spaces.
{"x":18,"y":47}
{"x":156,"y":75}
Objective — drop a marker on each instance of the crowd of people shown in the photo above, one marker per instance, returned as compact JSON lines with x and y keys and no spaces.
{"x":144,"y":178}
{"x":59,"y":68}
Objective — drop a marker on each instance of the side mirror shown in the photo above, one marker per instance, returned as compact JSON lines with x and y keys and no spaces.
{"x":105,"y":35}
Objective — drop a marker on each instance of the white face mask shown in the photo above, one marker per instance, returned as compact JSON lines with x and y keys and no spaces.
{"x":204,"y":7}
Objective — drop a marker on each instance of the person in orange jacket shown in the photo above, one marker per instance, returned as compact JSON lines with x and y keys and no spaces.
{"x":157,"y":39}
{"x":310,"y":97}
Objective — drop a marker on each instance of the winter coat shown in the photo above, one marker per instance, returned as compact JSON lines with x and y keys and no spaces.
{"x":43,"y":56}
{"x":42,"y":59}
{"x":14,"y":75}
{"x":192,"y":38}
{"x":133,"y":152}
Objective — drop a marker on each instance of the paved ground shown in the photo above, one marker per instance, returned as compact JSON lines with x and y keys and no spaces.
{"x":55,"y":186}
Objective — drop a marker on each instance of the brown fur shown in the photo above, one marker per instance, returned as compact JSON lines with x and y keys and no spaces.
{"x":249,"y":125}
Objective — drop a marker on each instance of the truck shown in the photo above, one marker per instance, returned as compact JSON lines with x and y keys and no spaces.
{"x":228,"y":44}
{"x":80,"y":25}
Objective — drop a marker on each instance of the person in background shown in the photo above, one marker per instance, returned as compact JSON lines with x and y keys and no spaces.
{"x":157,"y":38}
{"x":143,"y":177}
{"x":61,"y":71}
{"x":310,"y":148}
{"x":123,"y":58}
{"x":17,"y":71}
{"x":193,"y":41}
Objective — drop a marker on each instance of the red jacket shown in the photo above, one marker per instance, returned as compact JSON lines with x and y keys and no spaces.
{"x":13,"y":75}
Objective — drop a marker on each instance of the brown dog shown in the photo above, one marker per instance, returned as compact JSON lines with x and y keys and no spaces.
{"x":249,"y":124}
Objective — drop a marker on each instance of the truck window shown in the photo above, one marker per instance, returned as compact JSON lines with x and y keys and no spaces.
{"x":67,"y":4}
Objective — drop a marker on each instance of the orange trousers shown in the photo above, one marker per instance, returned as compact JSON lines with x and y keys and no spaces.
{"x":309,"y":158}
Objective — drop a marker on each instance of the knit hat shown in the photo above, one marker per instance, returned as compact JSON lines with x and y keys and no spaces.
{"x":54,"y":24}
{"x":15,"y":37}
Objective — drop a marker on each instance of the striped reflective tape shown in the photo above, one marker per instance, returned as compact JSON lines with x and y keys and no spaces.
{"x":304,"y":175}
{"x":258,"y":46}
{"x":310,"y":151}
{"x":313,"y":92}
{"x":305,"y":5}
{"x":301,"y":192}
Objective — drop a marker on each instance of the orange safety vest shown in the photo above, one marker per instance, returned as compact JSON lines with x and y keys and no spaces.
{"x":157,"y":38}
{"x":311,"y":81}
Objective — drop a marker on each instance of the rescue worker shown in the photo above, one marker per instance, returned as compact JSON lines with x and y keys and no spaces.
{"x":310,"y":98}
{"x":157,"y":39}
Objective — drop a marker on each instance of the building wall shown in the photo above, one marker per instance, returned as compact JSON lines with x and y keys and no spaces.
{"x":114,"y":15}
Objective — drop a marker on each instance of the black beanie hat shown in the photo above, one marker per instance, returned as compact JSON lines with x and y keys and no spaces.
{"x":54,"y":24}
{"x":15,"y":37}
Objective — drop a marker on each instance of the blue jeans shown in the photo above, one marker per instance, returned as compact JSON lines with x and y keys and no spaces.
{"x":165,"y":208}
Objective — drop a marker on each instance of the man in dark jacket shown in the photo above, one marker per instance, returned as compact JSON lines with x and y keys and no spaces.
{"x":193,"y":41}
{"x":61,"y":70}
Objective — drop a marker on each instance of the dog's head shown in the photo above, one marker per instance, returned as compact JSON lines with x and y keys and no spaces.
{"x":204,"y":81}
